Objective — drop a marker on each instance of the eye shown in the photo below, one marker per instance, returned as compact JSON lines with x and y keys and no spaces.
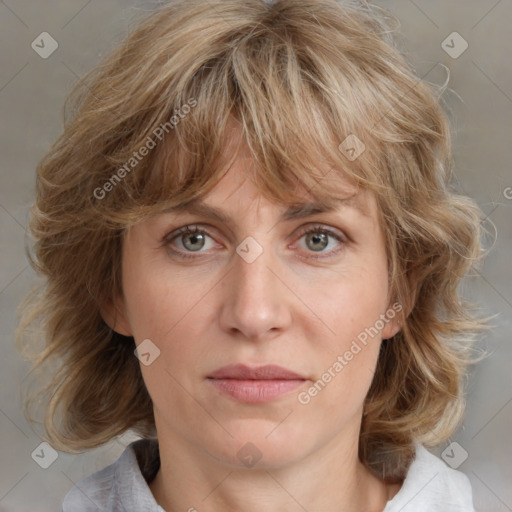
{"x":192,"y":239}
{"x":317,"y":239}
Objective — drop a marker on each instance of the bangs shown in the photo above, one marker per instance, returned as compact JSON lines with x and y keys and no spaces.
{"x":294,"y":105}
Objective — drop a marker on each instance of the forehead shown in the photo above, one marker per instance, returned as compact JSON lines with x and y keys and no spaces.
{"x":242,"y":180}
{"x":239,"y":177}
{"x":237,"y":190}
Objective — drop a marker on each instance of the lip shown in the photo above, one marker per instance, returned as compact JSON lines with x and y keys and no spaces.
{"x":265,"y":372}
{"x":255,"y":384}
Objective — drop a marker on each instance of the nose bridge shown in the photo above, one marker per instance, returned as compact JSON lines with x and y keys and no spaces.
{"x":251,"y":266}
{"x":254,"y":303}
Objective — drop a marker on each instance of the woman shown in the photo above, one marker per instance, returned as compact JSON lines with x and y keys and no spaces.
{"x":252,"y":254}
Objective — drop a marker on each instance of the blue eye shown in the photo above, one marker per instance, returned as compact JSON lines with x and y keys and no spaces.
{"x":192,"y":239}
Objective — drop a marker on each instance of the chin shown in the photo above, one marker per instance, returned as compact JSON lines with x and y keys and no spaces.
{"x":262,"y":445}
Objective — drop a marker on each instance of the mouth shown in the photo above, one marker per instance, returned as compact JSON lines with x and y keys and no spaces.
{"x":255,"y":384}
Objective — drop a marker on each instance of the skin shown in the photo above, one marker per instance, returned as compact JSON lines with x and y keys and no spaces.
{"x":284,"y":308}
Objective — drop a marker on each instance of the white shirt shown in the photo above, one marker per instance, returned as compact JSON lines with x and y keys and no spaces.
{"x":430,"y":485}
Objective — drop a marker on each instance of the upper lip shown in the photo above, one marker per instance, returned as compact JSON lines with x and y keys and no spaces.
{"x":244,"y":372}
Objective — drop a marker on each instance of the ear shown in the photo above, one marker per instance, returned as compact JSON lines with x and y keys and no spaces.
{"x":393,"y":326}
{"x":402,"y":309}
{"x":114,"y":314}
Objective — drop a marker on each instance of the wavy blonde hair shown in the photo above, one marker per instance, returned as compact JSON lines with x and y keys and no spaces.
{"x":299,"y":77}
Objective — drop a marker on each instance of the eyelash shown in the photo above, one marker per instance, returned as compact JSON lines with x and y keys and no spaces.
{"x":195,"y":230}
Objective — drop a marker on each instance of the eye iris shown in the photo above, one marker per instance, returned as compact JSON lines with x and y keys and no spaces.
{"x":315,"y":238}
{"x":194,"y":237}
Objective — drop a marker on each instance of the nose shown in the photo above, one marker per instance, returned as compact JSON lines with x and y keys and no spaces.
{"x":256,"y":303}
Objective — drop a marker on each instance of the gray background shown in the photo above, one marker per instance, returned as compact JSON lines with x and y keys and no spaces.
{"x":32,"y":92}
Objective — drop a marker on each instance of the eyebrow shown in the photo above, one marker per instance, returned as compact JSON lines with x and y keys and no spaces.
{"x":294,"y":211}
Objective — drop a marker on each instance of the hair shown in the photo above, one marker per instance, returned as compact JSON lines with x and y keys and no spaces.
{"x":298,"y":78}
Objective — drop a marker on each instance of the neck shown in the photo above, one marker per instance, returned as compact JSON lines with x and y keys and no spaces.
{"x":332,"y":478}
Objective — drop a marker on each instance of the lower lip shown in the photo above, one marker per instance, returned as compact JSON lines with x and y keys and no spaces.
{"x":256,"y":391}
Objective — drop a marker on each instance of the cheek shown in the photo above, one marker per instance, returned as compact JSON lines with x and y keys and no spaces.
{"x":349,"y":303}
{"x":169,"y":308}
{"x":154,"y":299}
{"x":159,"y":311}
{"x":350,"y":349}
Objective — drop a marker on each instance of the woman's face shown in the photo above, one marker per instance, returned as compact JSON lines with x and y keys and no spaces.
{"x":253,"y":290}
